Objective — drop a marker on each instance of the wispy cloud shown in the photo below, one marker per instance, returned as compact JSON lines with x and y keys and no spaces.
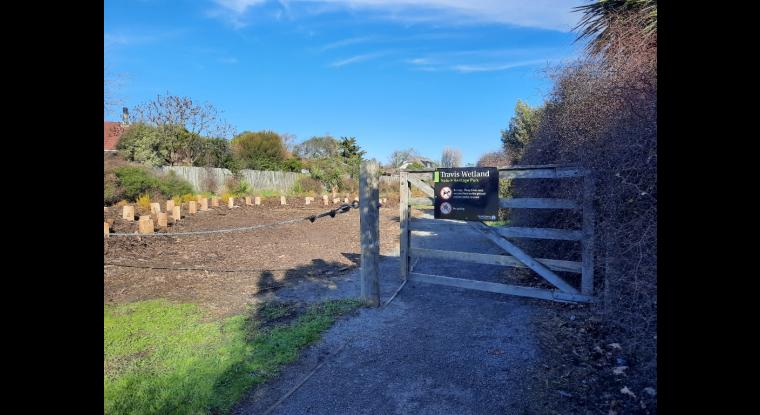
{"x":486,"y":60}
{"x":347,"y":42}
{"x":356,"y":59}
{"x":233,"y":11}
{"x":419,"y":61}
{"x":542,"y":14}
{"x":389,"y":39}
{"x":238,"y":6}
{"x":132,"y":38}
{"x":490,"y":67}
{"x":230,"y":61}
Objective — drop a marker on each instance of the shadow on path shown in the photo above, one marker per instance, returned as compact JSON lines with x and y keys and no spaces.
{"x":433,"y":350}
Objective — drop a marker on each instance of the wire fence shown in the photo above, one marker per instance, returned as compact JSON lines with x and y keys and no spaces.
{"x":340,"y":209}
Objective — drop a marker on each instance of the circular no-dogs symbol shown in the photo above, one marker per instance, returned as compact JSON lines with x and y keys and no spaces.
{"x":445,"y":208}
{"x":445,"y":193}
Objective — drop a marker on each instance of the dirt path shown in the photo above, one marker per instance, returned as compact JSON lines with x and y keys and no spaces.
{"x":433,"y":350}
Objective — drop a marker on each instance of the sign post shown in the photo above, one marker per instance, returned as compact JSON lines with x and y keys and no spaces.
{"x":466,"y":193}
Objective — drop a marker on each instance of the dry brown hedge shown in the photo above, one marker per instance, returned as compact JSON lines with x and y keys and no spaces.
{"x":602,"y":115}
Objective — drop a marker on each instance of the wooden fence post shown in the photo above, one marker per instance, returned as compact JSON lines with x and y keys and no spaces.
{"x":369,"y":226}
{"x":128,"y":213}
{"x":283,"y":200}
{"x":106,"y":229}
{"x":231,"y":202}
{"x":145,"y":224}
{"x":192,"y":207}
{"x":404,"y":224}
{"x":587,"y":243}
{"x":325,"y":200}
{"x":169,"y":206}
{"x":177,"y":213}
{"x":163,"y":219}
{"x":257,"y":200}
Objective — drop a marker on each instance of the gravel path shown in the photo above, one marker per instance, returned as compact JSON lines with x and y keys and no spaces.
{"x":433,"y":350}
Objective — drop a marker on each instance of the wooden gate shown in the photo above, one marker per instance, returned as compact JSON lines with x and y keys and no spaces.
{"x":517,"y":257}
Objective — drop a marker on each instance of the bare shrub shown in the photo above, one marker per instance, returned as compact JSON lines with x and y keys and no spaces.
{"x":309,"y":185}
{"x":494,"y":159}
{"x":451,"y":157}
{"x":349,"y":185}
{"x":602,"y":115}
{"x":209,"y":182}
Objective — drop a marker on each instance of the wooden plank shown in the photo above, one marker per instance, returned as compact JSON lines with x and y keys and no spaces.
{"x":421,"y":176}
{"x":495,"y":287}
{"x":404,"y":223}
{"x":536,"y":166}
{"x":425,"y":215}
{"x":422,"y":186}
{"x":418,"y":171}
{"x":421,"y":201}
{"x":550,"y":173}
{"x":540,"y":233}
{"x":537,"y":203}
{"x":587,"y":243}
{"x":523,"y":257}
{"x":369,"y":228}
{"x":490,"y":259}
{"x":418,"y":225}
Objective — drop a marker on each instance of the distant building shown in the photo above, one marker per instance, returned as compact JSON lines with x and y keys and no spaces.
{"x":426,"y":163}
{"x":113,"y":130}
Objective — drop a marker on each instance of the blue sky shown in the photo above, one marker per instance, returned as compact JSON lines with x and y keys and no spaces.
{"x":393,"y":73}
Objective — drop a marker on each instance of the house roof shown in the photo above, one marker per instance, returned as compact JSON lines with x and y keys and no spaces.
{"x":112,"y":132}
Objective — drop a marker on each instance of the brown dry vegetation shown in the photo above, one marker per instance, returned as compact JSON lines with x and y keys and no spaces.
{"x":602,"y":115}
{"x":223,"y":271}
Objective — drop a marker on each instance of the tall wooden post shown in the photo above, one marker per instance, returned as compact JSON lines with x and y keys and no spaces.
{"x":369,"y":226}
{"x":587,"y":243}
{"x":404,"y":223}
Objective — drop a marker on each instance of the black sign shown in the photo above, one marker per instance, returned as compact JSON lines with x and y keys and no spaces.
{"x":467,"y":193}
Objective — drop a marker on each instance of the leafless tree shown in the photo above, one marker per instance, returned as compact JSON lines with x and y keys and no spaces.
{"x":181,"y":123}
{"x":175,"y":111}
{"x":289,"y":141}
{"x":398,"y":157}
{"x":451,"y":157}
{"x":494,"y":159}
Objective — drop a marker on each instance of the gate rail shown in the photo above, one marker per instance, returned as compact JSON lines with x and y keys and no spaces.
{"x":517,"y":257}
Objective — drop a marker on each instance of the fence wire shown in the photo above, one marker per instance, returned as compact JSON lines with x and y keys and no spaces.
{"x":340,"y":209}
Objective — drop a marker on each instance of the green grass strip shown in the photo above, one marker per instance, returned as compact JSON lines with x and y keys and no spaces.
{"x":162,"y":357}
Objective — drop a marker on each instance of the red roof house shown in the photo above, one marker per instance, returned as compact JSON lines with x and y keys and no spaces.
{"x":112,"y":132}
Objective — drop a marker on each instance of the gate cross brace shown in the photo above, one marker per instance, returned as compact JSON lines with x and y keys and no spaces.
{"x":422,"y":186}
{"x":523,"y":257}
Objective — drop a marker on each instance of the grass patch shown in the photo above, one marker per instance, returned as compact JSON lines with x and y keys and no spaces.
{"x":496,"y":223}
{"x":267,"y":193}
{"x":162,"y":357}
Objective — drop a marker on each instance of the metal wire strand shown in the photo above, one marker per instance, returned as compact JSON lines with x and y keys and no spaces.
{"x":341,"y":209}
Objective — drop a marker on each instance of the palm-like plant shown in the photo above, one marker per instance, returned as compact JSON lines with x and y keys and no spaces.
{"x":600,"y":18}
